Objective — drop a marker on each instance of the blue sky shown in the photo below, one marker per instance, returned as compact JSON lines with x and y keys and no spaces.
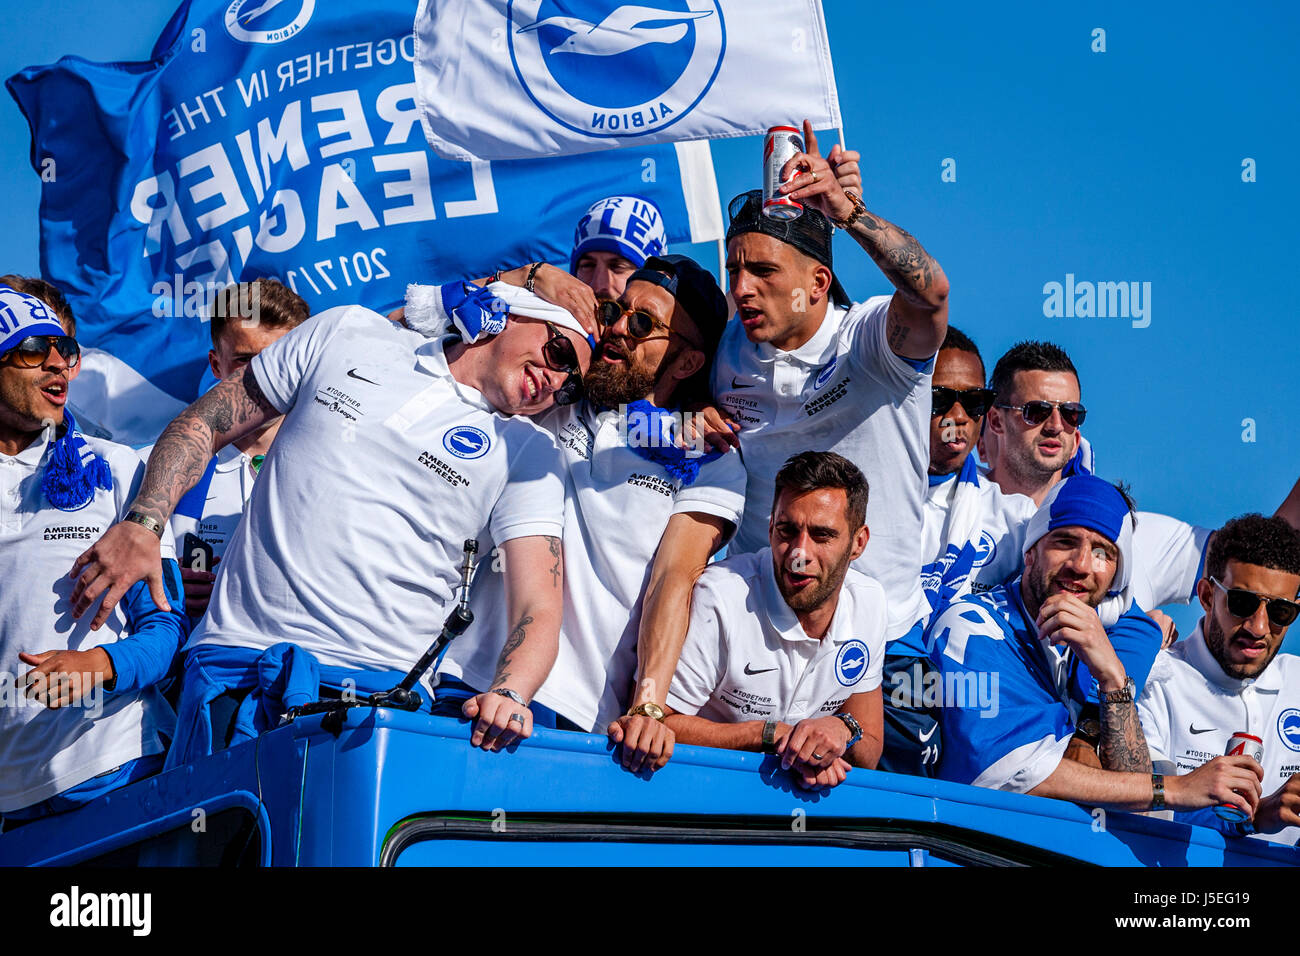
{"x":1115,"y":166}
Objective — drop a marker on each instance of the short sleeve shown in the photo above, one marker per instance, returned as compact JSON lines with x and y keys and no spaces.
{"x":281,"y":367}
{"x":718,"y":491}
{"x":702,"y":663}
{"x":1168,"y":556}
{"x":868,"y":323}
{"x":532,"y":501}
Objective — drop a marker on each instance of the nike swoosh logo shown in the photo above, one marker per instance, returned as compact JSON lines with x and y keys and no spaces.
{"x":1205,"y":730}
{"x":751,"y":672}
{"x":735,"y":384}
{"x":926,"y":737}
{"x":352,"y":373}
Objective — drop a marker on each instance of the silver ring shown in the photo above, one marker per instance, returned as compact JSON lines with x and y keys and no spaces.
{"x":818,"y":756}
{"x":518,"y":717}
{"x":814,"y":176}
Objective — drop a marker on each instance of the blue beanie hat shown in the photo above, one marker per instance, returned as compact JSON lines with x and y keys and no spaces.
{"x":1086,"y":501}
{"x":629,"y":226}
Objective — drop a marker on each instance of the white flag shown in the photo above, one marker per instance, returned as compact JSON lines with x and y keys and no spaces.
{"x":512,"y":79}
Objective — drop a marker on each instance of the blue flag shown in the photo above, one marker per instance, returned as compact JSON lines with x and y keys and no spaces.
{"x":281,"y":138}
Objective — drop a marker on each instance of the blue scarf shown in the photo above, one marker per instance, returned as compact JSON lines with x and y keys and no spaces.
{"x":74,"y":471}
{"x":660,"y":443}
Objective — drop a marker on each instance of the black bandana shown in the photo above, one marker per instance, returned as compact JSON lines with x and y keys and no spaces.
{"x":810,"y":233}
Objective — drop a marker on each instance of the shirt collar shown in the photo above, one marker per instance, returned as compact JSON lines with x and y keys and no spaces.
{"x":818,"y":350}
{"x":229,"y":458}
{"x":431,"y":355}
{"x":31,"y":456}
{"x":784,"y":620}
{"x":1200,"y":657}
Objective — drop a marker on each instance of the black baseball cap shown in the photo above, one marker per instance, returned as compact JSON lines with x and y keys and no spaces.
{"x":693,"y":287}
{"x":810,"y":233}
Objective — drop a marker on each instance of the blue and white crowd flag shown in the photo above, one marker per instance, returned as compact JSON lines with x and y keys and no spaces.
{"x":521,"y":78}
{"x":283,"y":140}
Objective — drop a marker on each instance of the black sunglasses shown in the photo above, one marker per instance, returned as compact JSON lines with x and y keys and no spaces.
{"x":560,"y":356}
{"x":1037,"y":412}
{"x":559,"y":352}
{"x":976,"y":401}
{"x":35,"y":349}
{"x":1244,"y":604}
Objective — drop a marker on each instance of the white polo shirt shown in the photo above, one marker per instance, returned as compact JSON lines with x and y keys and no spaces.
{"x":1190,"y":708}
{"x":44,"y":752}
{"x":845,"y":391}
{"x":746,"y":656}
{"x":383,"y":466}
{"x":1168,"y":556}
{"x":617,"y":505}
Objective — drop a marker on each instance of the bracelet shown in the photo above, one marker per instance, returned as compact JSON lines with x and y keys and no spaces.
{"x":859,"y":210}
{"x":1157,"y":791}
{"x":494,"y":277}
{"x":145,"y":521}
{"x":769,"y":736}
{"x":513,"y":695}
{"x":532,"y":275}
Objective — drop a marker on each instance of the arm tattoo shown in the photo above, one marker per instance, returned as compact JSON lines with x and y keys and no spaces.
{"x":899,"y":256}
{"x":553,"y":544}
{"x":1123,"y":745}
{"x":513,"y":643}
{"x":234,"y":407}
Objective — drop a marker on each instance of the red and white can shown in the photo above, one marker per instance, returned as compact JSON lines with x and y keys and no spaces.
{"x":779,"y":146}
{"x":1252,"y":746}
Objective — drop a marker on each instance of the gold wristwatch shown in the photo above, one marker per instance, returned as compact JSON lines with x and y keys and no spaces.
{"x":859,"y":210}
{"x":649,"y":709}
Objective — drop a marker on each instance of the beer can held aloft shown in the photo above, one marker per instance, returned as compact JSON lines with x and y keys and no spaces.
{"x":1240,"y":743}
{"x":780,"y":144}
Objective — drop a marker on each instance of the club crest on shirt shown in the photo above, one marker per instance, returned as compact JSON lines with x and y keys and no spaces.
{"x":985,"y":549}
{"x":851,"y":663}
{"x":466,"y":441}
{"x":1288,"y":728}
{"x":825,"y":374}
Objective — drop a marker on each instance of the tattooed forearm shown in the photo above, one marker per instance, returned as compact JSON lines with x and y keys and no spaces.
{"x":234,"y":407}
{"x":513,"y":643}
{"x":554,"y":545}
{"x":1123,"y":745}
{"x":900,"y":257}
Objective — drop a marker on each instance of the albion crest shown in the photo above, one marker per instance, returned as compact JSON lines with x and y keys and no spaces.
{"x":606,"y":69}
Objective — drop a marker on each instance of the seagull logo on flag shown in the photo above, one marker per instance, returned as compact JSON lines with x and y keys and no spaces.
{"x":619,"y":32}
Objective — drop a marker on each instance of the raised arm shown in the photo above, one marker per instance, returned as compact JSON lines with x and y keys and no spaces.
{"x":918,"y":314}
{"x":534,"y":570}
{"x":129,"y":552}
{"x":1289,"y":510}
{"x":688,"y":542}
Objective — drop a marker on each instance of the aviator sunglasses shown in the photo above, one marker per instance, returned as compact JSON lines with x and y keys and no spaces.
{"x":1037,"y":412}
{"x":1243,"y":604}
{"x":976,"y":401}
{"x":35,"y":349}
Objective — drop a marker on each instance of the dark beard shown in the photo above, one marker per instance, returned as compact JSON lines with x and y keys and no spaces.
{"x":810,"y":600}
{"x":1217,"y":642}
{"x":609,"y":386}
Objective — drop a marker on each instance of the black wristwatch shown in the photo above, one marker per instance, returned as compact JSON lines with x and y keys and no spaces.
{"x":769,"y":736}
